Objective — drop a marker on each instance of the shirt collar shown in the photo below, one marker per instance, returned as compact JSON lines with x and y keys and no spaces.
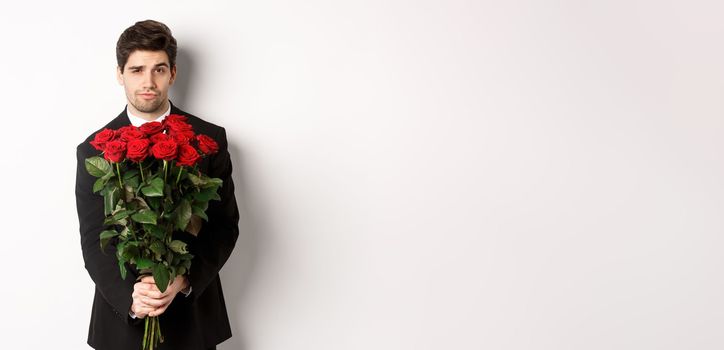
{"x":138,"y":121}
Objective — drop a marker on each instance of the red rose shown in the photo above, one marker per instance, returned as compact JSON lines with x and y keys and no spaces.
{"x":102,"y":137}
{"x":156,"y":138}
{"x":138,"y":149}
{"x":151,"y":128}
{"x":120,"y":131}
{"x":207,"y":145}
{"x":165,"y":150}
{"x":182,"y":136}
{"x":175,"y":117}
{"x":187,"y":155}
{"x":132,"y":134}
{"x":177,"y":125}
{"x":115,"y":151}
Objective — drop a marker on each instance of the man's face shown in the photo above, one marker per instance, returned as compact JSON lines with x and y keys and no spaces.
{"x":146,"y":79}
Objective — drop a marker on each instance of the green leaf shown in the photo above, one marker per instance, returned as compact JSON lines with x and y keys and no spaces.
{"x":130,"y":174}
{"x":111,"y":221}
{"x":155,"y":231}
{"x":160,"y":276}
{"x":178,"y":246}
{"x":140,"y":203}
{"x":154,"y":188}
{"x":197,"y":181}
{"x":110,"y":186}
{"x":154,"y":202}
{"x":97,"y":166}
{"x":130,"y":252}
{"x":158,"y":248}
{"x":122,"y":266}
{"x":200,"y":206}
{"x":106,"y":237}
{"x":109,"y":201}
{"x":200,"y":212}
{"x":119,"y":249}
{"x":132,"y":182}
{"x":117,"y":218}
{"x":108,"y":175}
{"x":145,"y":217}
{"x":214,"y":182}
{"x":99,"y":184}
{"x":187,"y":263}
{"x":207,"y":194}
{"x":183,"y":214}
{"x":142,"y":263}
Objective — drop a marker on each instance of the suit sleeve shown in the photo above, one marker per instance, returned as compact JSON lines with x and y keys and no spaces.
{"x":217,"y":239}
{"x":102,"y":266}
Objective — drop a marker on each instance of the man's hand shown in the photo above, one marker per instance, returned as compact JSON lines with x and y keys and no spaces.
{"x":143,"y":292}
{"x":148,"y":299}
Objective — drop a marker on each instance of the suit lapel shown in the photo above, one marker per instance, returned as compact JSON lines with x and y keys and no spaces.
{"x":120,"y":121}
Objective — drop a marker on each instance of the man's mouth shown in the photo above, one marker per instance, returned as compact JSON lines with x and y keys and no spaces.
{"x":148,"y":96}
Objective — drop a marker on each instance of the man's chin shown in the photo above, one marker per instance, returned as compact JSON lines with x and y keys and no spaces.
{"x":148,"y":107}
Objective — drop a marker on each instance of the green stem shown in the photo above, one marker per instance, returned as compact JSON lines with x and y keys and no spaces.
{"x":120,"y":182}
{"x":140,"y":164}
{"x":164,"y":171}
{"x":181,"y":170}
{"x":160,"y":336}
{"x":153,"y":334}
{"x":145,"y":335}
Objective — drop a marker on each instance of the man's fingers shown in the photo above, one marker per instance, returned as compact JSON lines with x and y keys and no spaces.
{"x":166,"y":302}
{"x":143,"y":286}
{"x":148,"y":299}
{"x":142,"y":301}
{"x":147,"y":293}
{"x":141,"y":310}
{"x":158,"y":311}
{"x":153,"y":302}
{"x":150,"y":281}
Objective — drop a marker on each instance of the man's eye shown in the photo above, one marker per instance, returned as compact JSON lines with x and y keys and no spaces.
{"x":160,"y":70}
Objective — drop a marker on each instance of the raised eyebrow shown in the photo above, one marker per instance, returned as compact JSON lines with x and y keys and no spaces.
{"x":157,"y":65}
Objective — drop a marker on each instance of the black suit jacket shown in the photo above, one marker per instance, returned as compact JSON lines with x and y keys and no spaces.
{"x":198,"y":321}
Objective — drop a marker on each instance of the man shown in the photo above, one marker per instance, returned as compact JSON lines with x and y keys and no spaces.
{"x":192,"y":310}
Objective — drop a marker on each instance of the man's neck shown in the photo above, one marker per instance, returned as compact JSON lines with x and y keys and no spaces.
{"x":149,"y":116}
{"x":138,"y":120}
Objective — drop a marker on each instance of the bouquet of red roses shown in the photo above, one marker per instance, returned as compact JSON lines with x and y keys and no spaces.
{"x":151,"y":186}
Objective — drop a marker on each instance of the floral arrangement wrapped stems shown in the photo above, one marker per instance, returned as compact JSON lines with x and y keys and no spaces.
{"x":151,"y":187}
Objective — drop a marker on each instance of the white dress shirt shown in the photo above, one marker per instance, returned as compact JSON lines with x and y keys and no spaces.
{"x":138,"y":121}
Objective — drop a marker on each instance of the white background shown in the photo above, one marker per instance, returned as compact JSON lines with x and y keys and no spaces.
{"x":412,"y":174}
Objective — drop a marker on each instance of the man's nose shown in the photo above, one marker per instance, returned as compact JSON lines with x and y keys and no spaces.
{"x":148,"y":79}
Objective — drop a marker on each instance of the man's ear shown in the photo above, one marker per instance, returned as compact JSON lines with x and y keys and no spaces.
{"x":119,"y":75}
{"x":173,"y":75}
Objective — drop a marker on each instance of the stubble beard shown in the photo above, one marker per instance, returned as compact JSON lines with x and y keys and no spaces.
{"x":147,"y":106}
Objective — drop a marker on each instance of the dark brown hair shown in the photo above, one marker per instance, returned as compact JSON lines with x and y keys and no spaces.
{"x":148,"y":35}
